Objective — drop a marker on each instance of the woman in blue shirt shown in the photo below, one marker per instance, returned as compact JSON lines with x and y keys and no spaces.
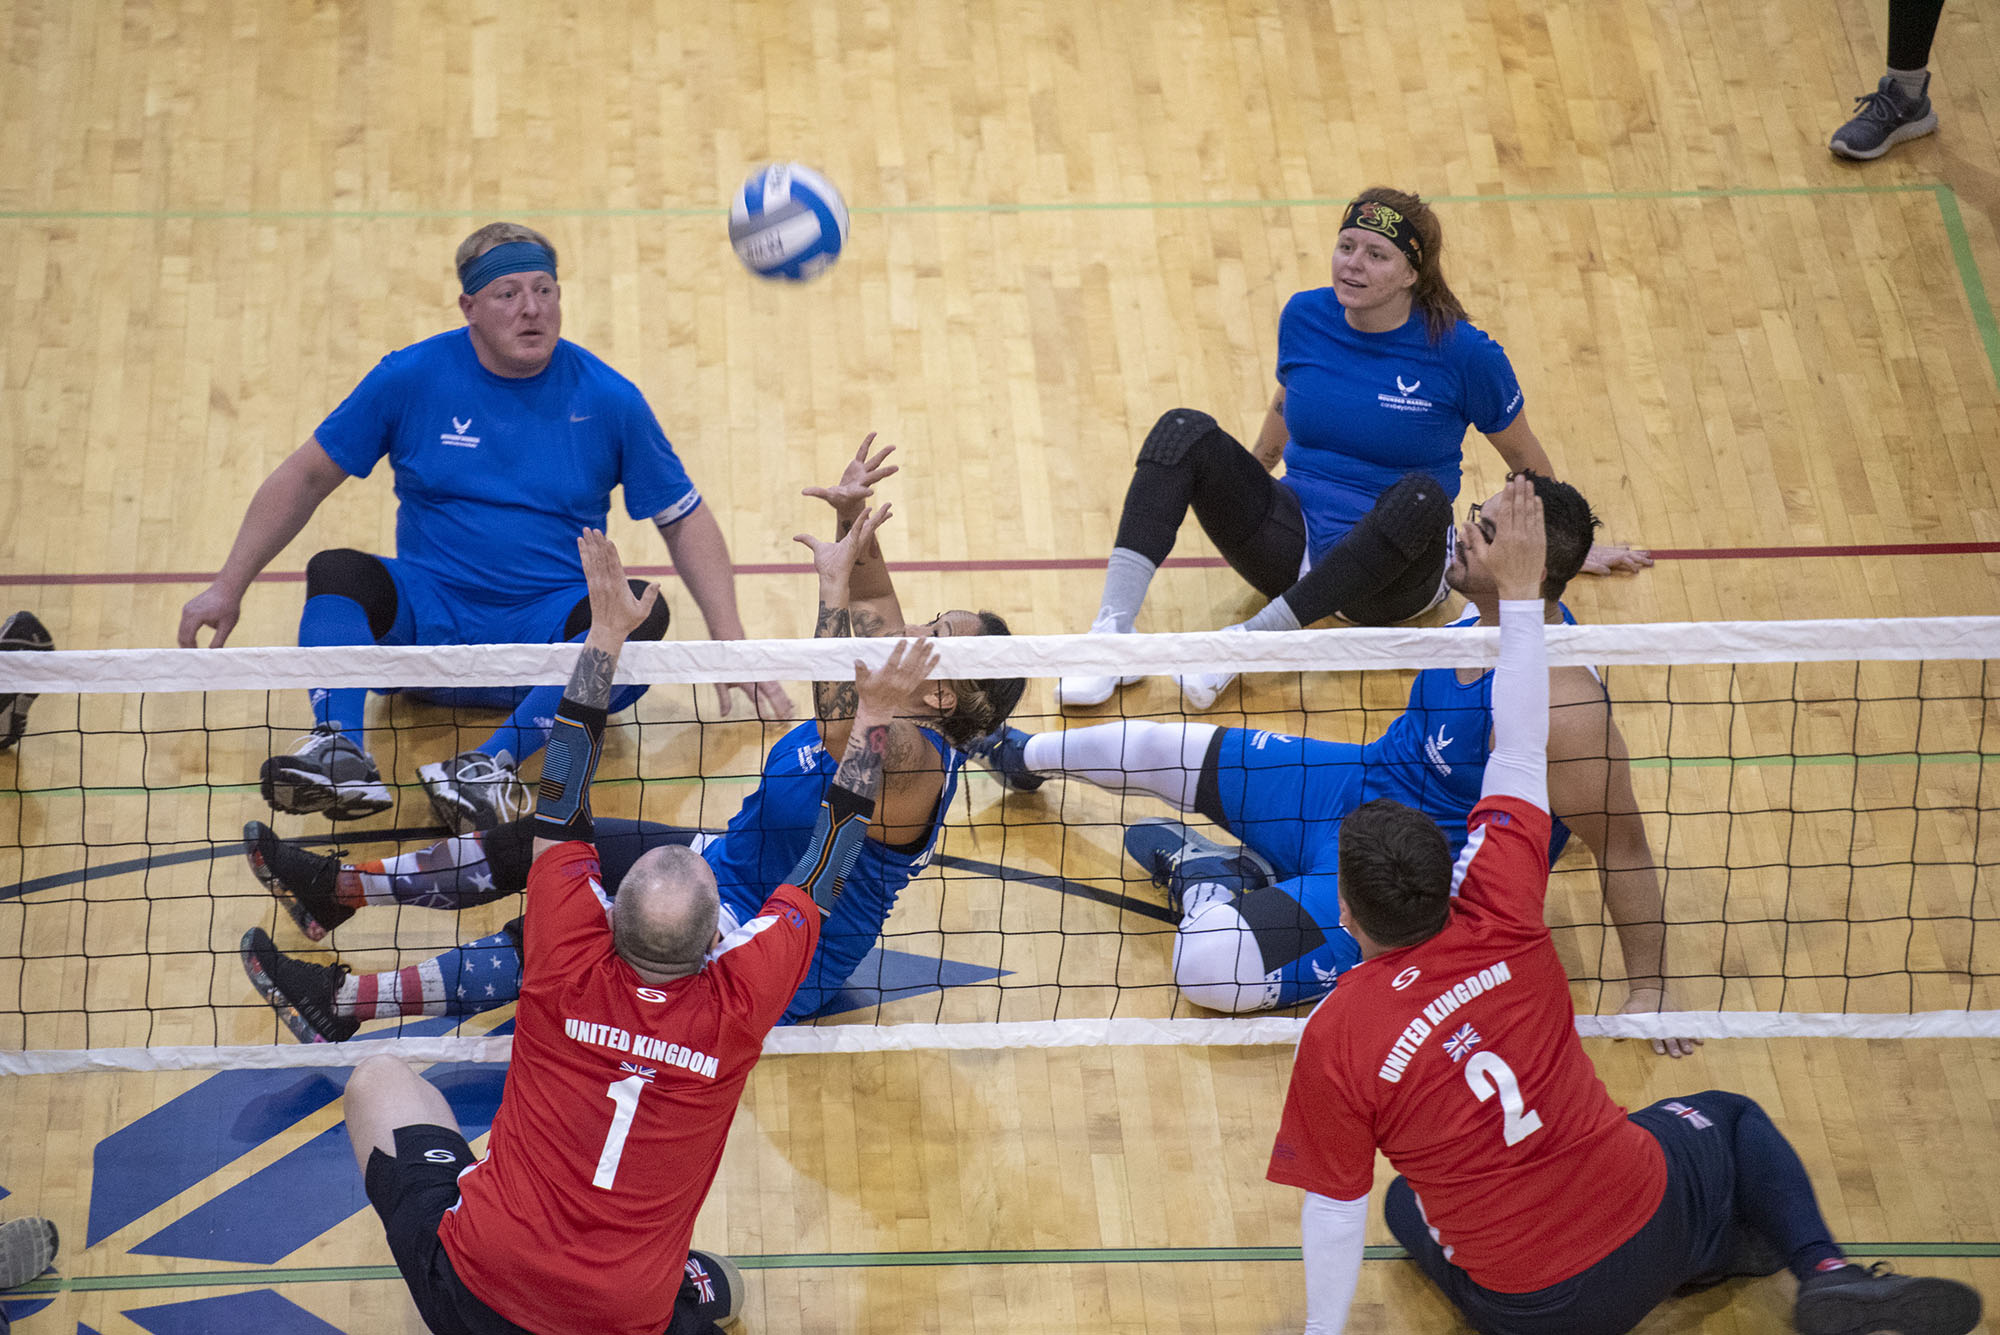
{"x":1379,"y":375}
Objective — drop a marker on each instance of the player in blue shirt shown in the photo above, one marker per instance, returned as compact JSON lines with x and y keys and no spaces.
{"x":1260,"y":925}
{"x":1379,"y":376}
{"x":925,"y":755}
{"x":505,"y":442}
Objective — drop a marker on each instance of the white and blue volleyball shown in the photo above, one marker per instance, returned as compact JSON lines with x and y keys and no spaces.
{"x":787,"y":222}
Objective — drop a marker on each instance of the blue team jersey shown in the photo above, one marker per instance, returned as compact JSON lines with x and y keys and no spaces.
{"x":768,"y":835}
{"x":495,"y":477}
{"x":1363,"y":409}
{"x":1433,"y":757}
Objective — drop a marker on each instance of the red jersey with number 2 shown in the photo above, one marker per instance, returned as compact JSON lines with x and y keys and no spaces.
{"x":1458,"y":1057}
{"x":617,"y":1105}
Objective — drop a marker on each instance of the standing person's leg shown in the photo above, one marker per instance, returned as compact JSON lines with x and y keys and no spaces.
{"x":1900,"y":107}
{"x":352,"y":598}
{"x":1189,"y":462}
{"x":481,"y":788}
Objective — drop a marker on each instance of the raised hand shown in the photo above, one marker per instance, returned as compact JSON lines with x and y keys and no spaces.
{"x":892,"y":688}
{"x":835,"y":560}
{"x":614,"y":609}
{"x":1517,"y":553}
{"x":849,"y":497}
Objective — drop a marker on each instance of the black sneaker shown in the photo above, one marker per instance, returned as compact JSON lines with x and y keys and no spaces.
{"x":1004,"y":751}
{"x":303,"y":882}
{"x":1884,"y":119}
{"x":301,"y":992}
{"x":27,"y":1248}
{"x":20,"y":631}
{"x":473,"y":792}
{"x":1854,"y":1301}
{"x":717,"y":1285}
{"x":327,"y":772}
{"x":1176,"y":857}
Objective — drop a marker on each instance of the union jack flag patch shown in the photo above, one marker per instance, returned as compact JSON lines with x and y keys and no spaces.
{"x":1462,"y":1042}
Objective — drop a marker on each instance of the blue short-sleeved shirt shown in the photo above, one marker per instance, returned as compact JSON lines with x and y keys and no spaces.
{"x":1363,"y":409}
{"x":495,"y":477}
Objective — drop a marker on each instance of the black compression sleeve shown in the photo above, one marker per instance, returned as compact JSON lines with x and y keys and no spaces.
{"x":836,"y":842}
{"x":562,"y":807}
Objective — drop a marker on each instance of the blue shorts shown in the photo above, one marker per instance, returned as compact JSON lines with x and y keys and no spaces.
{"x":429,"y":611}
{"x":1285,"y":797}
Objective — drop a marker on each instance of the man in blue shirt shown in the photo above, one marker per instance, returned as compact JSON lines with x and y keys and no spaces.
{"x":505,"y":442}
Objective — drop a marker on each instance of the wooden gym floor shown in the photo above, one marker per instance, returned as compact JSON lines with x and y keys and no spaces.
{"x":1779,"y":369}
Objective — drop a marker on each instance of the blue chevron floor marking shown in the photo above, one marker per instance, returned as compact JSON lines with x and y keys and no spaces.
{"x":261,"y":1310}
{"x":282,"y":1207}
{"x":17,"y":1308}
{"x":892,"y":975}
{"x":141,"y":1167}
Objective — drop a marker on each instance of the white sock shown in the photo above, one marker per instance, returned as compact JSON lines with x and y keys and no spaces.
{"x":1127,"y":576}
{"x":1131,"y":755}
{"x":1277,"y":615}
{"x":1911,"y":83}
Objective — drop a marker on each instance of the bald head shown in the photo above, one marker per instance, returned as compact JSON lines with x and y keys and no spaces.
{"x":663,"y":921}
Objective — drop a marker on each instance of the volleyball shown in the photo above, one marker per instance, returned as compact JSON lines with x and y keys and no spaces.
{"x":787,"y":222}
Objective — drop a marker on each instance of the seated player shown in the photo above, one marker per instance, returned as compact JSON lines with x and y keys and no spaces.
{"x":579,"y":1216}
{"x":857,"y":596}
{"x":1526,"y":1195}
{"x":1260,"y":926}
{"x":20,"y":631}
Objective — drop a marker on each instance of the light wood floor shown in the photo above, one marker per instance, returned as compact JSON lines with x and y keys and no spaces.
{"x":215,"y":217}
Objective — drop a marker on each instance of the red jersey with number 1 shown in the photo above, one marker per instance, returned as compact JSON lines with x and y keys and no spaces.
{"x":617,"y":1105}
{"x":1458,"y":1057}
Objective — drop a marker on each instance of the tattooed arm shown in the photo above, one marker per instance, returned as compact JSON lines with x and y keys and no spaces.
{"x":870,"y":588}
{"x":562,"y":808}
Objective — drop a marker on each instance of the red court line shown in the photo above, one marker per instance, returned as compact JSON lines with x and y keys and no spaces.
{"x":1030,"y":564}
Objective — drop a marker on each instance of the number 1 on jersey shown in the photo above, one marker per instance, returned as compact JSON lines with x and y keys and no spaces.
{"x":1488,"y":1075}
{"x":624,"y":1096}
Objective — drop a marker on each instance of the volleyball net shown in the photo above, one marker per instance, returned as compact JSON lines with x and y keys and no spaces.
{"x":1821,"y":801}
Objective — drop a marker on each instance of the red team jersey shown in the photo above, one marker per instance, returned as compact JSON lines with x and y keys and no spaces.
{"x":617,"y":1105}
{"x":1458,"y":1056}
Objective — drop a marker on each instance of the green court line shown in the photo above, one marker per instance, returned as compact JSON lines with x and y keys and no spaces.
{"x":204,"y":1279}
{"x":1639,"y":762}
{"x":1968,"y":278}
{"x":875,"y":1260}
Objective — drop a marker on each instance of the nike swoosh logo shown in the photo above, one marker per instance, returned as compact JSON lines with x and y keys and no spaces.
{"x":574,"y":418}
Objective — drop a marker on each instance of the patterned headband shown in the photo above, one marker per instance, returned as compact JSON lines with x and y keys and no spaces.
{"x":1384,"y":221}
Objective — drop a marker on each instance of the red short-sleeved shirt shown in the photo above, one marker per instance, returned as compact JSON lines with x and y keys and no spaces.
{"x":1458,"y":1057}
{"x":617,"y":1105}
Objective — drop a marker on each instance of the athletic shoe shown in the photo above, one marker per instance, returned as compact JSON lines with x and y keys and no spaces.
{"x":27,"y":1248}
{"x":1200,"y":689}
{"x":1854,"y":1301}
{"x":1884,"y":119}
{"x":301,"y":992}
{"x":329,"y":773}
{"x":20,"y":631}
{"x":1178,"y":858}
{"x":718,"y":1289}
{"x":1078,"y":692}
{"x":472,"y":791}
{"x":1004,"y":751}
{"x":303,"y":882}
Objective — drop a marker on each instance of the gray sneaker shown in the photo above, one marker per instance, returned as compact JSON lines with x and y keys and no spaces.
{"x":27,"y":1248}
{"x":472,"y":792}
{"x":329,"y":773}
{"x":1884,"y":119}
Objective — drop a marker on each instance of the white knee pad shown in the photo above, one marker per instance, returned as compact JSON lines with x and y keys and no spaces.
{"x":1217,"y":963}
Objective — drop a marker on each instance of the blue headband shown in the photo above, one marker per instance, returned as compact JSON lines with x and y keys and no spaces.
{"x":512,"y":257}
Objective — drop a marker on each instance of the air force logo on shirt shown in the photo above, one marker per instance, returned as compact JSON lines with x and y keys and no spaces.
{"x":458,"y":434}
{"x":1405,"y":399}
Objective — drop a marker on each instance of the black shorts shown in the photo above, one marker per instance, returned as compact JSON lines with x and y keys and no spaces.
{"x":412,"y":1192}
{"x":1694,"y":1237}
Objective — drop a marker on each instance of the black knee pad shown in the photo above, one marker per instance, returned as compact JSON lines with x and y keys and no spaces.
{"x":654,"y":627}
{"x":1284,"y":930}
{"x":1408,"y":517}
{"x":346,"y":573}
{"x":1177,"y":432}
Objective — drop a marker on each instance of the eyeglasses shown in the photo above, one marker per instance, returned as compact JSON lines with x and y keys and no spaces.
{"x":1485,"y":526}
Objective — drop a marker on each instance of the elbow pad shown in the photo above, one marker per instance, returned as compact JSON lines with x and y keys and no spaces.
{"x":562,"y":806}
{"x":836,"y":843}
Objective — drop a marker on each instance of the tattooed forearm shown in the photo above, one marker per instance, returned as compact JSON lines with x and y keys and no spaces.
{"x":868,"y":624}
{"x":590,"y":683}
{"x":860,"y":769}
{"x":833,"y":623}
{"x":835,"y":700}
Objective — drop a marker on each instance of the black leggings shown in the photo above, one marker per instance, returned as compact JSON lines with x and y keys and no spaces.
{"x":1912,"y":26}
{"x":1386,"y":569}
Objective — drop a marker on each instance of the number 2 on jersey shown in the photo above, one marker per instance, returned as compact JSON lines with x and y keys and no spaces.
{"x":624,"y":1096}
{"x":1489,"y":1075}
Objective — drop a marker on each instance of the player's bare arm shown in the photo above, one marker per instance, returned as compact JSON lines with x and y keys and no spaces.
{"x":871,"y":592}
{"x":1590,"y":790}
{"x":281,"y":507}
{"x":562,"y":810}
